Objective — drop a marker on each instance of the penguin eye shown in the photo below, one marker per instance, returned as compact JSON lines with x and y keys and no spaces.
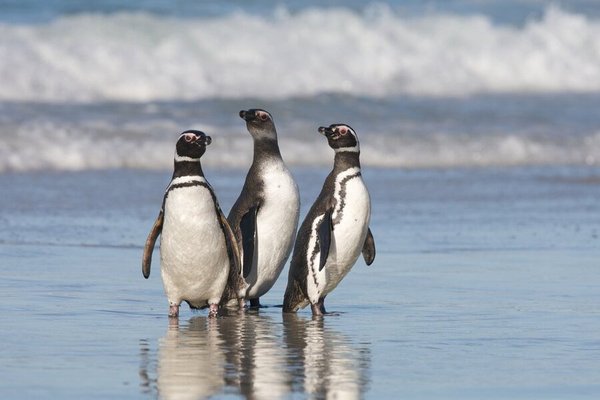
{"x":189,"y":138}
{"x":343,"y":130}
{"x":263,"y":116}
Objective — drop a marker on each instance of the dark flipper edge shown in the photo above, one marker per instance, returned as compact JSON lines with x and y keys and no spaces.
{"x":368,"y":250}
{"x":231,"y":242}
{"x":149,"y":246}
{"x":324,"y":234}
{"x":248,"y":228}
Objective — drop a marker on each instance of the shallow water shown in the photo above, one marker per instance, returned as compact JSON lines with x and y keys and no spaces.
{"x":485,"y":285}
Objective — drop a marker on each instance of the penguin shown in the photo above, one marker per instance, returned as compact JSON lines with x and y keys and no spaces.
{"x":264,"y":218}
{"x":335,"y":230}
{"x":197,"y":246}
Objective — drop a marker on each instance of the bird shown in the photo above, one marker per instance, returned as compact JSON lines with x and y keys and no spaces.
{"x":197,"y":246}
{"x":336,"y":229}
{"x":264,"y":218}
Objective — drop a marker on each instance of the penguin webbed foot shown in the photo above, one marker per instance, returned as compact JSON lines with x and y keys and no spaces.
{"x":318,"y":308}
{"x":174,"y":311}
{"x":213,"y":311}
{"x":255,"y":303}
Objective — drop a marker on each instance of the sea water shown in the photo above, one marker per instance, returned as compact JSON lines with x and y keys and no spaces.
{"x":484,"y":286}
{"x":480,"y":142}
{"x":449,"y":83}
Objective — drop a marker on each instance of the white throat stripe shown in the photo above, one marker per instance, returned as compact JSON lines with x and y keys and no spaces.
{"x":184,"y":158}
{"x":354,"y":149}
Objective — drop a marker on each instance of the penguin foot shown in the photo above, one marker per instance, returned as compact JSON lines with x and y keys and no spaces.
{"x":174,"y":310}
{"x":255,"y":303}
{"x":242,"y":304}
{"x":213,"y":310}
{"x":318,"y":309}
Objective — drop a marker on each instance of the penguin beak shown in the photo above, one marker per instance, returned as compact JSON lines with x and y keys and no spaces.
{"x":247,"y":115}
{"x":326,"y":131}
{"x":202,"y":140}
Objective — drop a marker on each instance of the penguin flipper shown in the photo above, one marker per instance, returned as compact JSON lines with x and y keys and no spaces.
{"x":368,"y":250}
{"x":150,"y":242}
{"x":248,"y":229}
{"x":324,"y":235}
{"x":230,"y":240}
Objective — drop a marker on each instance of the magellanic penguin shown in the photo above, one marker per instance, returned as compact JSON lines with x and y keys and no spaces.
{"x":335,"y":230}
{"x":264,"y":218}
{"x":197,"y":246}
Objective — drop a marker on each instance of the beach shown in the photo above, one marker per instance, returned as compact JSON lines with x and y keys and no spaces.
{"x":484,"y":285}
{"x":480,"y":146}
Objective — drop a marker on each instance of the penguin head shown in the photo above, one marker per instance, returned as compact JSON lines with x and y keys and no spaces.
{"x":191,"y":145}
{"x":340,"y":137}
{"x":259,"y":123}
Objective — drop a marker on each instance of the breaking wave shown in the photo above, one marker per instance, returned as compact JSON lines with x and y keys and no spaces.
{"x":378,"y":52}
{"x":71,"y":149}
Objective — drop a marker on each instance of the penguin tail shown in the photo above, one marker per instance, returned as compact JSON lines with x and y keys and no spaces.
{"x":294,"y":297}
{"x":197,"y":306}
{"x":234,"y":288}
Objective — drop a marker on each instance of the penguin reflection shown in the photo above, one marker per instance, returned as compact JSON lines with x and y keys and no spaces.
{"x":256,"y":363}
{"x":259,"y":357}
{"x":190,"y":360}
{"x":325,"y":363}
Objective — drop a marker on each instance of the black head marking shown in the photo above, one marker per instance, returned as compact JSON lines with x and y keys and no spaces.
{"x":260,"y":123}
{"x":341,"y":137}
{"x":256,"y":116}
{"x":191,"y":145}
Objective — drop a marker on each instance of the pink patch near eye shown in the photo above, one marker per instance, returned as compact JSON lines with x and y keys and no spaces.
{"x":343,"y":131}
{"x":188,"y":138}
{"x":263,"y":116}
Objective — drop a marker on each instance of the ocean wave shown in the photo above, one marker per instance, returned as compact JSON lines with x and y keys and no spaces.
{"x":378,"y":52}
{"x":63,"y":148}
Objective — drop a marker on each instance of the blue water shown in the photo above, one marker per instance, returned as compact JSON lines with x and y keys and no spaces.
{"x":484,"y":286}
{"x":480,"y":144}
{"x":444,"y":84}
{"x":509,"y":12}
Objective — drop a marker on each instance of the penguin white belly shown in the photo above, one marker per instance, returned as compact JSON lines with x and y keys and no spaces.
{"x":276,"y":224}
{"x":351,"y":219}
{"x":194,"y":259}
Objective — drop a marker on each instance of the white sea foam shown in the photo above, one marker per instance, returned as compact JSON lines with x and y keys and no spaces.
{"x":49,"y":146}
{"x":376,"y":53}
{"x":505,"y":150}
